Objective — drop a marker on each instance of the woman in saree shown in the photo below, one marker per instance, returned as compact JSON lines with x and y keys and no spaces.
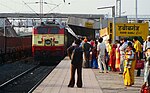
{"x":117,"y":65}
{"x":112,"y":60}
{"x":129,"y":66}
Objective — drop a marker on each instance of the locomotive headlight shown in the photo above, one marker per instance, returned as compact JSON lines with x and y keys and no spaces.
{"x":47,"y":41}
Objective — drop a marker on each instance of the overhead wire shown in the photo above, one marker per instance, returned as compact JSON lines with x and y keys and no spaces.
{"x":52,"y":9}
{"x":31,"y":8}
{"x":25,"y":3}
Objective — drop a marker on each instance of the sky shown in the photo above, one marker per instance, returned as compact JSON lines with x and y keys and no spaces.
{"x":74,"y":6}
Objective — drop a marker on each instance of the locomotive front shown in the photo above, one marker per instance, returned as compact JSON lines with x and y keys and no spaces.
{"x":48,"y":42}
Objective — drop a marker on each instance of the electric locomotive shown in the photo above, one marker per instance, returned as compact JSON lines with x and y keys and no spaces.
{"x":50,"y":41}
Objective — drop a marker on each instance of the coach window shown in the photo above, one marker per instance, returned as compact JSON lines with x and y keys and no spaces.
{"x":54,"y":30}
{"x":42,"y":30}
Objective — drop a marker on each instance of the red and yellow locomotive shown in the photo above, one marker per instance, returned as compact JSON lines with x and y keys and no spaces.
{"x":49,"y":41}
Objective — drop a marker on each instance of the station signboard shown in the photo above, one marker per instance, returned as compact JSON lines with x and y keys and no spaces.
{"x":132,"y":29}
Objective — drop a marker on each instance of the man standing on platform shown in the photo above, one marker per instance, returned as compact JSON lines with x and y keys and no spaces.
{"x":138,"y":52}
{"x":101,"y":51}
{"x":75,"y":53}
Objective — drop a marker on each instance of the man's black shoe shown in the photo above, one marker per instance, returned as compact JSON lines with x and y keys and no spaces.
{"x":70,"y":86}
{"x":79,"y":86}
{"x":120,"y":73}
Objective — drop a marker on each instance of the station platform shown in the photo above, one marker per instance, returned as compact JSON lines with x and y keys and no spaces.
{"x":93,"y":81}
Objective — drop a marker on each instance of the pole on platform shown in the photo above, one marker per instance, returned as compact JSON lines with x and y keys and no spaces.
{"x":120,"y":9}
{"x":136,"y":11}
{"x":114,"y":30}
{"x":114,"y":24}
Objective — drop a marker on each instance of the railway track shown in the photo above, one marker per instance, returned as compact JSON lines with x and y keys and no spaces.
{"x":27,"y":81}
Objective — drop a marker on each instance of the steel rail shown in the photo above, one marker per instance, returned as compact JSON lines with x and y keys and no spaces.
{"x":16,"y":77}
{"x":31,"y":90}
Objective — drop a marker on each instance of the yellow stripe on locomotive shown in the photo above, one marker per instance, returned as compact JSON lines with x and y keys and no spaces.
{"x":48,"y":40}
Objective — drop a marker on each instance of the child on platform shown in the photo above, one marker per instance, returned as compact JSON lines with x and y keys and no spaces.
{"x":129,"y":56}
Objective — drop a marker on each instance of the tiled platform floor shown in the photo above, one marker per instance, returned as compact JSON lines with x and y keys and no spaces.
{"x":58,"y":79}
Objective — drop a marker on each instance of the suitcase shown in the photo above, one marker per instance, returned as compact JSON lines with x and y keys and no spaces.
{"x":146,"y":89}
{"x":139,"y":64}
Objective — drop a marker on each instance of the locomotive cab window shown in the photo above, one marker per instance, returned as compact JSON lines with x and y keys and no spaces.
{"x":42,"y":30}
{"x":54,"y":30}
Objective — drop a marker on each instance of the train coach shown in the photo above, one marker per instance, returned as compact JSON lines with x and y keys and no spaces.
{"x":14,"y":48}
{"x":50,"y":41}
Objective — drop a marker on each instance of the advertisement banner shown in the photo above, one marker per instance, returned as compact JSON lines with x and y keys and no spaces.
{"x":104,"y":32}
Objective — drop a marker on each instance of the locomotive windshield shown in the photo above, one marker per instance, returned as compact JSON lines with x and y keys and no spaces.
{"x":48,"y":30}
{"x":54,"y":30}
{"x":42,"y":30}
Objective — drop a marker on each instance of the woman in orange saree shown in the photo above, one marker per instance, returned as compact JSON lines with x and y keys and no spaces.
{"x":112,"y":60}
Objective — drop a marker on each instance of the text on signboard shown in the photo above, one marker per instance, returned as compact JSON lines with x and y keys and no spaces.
{"x":125,"y":27}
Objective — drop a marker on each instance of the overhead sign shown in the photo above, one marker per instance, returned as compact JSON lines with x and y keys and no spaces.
{"x":89,"y":24}
{"x":82,"y":22}
{"x":132,"y":29}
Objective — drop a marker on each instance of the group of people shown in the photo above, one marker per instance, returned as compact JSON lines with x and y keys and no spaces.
{"x":121,"y":57}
